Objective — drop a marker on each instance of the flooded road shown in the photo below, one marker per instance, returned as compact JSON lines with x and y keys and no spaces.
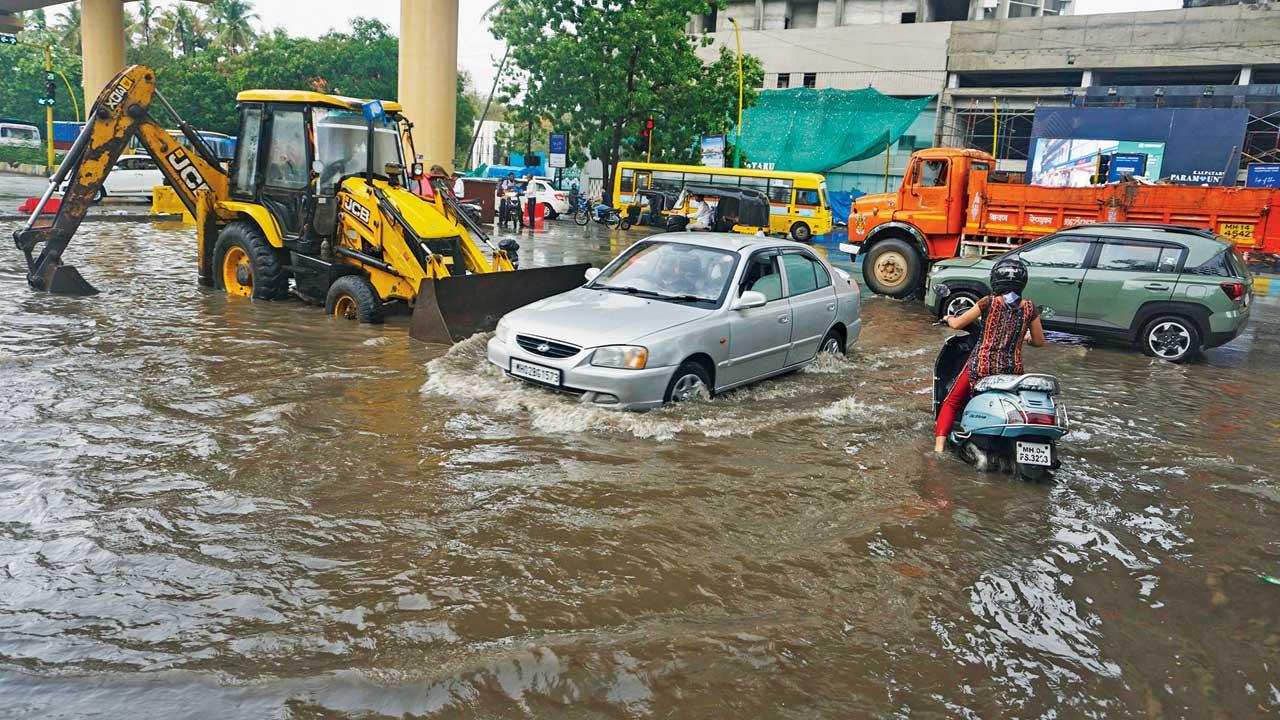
{"x":217,"y":508}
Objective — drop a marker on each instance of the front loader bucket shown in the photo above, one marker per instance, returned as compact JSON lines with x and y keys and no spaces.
{"x":454,"y":308}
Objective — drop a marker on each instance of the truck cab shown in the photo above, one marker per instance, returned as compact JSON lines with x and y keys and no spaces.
{"x":898,"y":233}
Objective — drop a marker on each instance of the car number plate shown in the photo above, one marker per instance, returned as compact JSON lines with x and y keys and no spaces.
{"x":536,"y":373}
{"x":1035,"y":454}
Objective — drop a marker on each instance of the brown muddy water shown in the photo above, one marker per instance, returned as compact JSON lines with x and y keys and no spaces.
{"x":218,"y":508}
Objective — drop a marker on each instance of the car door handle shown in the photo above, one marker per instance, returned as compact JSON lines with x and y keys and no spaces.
{"x":784,"y":319}
{"x":1156,"y":286}
{"x":1065,"y":281}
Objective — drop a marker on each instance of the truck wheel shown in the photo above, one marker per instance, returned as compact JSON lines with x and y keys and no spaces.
{"x":1171,"y":338}
{"x":352,"y":297}
{"x":800,"y":232}
{"x":245,"y":264}
{"x":892,"y":268}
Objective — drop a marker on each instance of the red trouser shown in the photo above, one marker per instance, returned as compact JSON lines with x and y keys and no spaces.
{"x":954,"y":404}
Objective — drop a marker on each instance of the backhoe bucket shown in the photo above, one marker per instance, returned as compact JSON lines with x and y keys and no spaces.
{"x":62,"y":280}
{"x":455,"y":308}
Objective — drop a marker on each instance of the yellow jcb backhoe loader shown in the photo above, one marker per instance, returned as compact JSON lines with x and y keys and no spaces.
{"x":317,"y":194}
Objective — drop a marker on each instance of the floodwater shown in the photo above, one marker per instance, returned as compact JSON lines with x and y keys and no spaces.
{"x":218,"y":508}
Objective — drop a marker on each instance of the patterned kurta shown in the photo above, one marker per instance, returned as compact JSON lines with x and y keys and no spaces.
{"x":1000,"y":351}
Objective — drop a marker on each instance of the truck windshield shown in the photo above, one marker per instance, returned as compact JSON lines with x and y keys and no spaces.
{"x":342,"y":138}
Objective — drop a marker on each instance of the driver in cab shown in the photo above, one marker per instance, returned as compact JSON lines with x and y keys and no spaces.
{"x":704,"y":216}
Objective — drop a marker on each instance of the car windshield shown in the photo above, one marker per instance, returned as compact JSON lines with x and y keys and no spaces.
{"x":670,"y":271}
{"x":341,"y":144}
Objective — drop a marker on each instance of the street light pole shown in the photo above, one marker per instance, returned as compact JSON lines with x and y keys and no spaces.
{"x":48,"y":108}
{"x":737,"y":146}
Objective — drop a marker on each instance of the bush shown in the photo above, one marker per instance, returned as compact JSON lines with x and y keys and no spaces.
{"x":16,"y":155}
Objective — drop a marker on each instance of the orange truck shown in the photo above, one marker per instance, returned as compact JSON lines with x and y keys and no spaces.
{"x":948,"y":203}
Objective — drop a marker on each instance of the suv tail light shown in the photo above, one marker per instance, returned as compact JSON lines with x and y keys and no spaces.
{"x":1234,"y":290}
{"x":559,"y":196}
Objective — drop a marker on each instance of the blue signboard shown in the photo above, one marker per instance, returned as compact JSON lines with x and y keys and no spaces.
{"x":1201,"y":145}
{"x":559,"y":150}
{"x":1263,"y":175}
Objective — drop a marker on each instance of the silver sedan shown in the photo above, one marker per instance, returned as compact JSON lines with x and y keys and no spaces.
{"x":682,"y":316}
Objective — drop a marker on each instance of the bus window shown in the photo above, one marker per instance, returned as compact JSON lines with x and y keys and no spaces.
{"x":642,"y":181}
{"x":755,"y":183}
{"x":666,"y":180}
{"x":780,"y":192}
{"x":808,"y":198}
{"x":696,"y":179}
{"x":628,"y":176}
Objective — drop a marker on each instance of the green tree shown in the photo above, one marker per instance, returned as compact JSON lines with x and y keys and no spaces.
{"x":143,"y":24}
{"x":232,"y":29}
{"x":602,"y":68}
{"x":465,"y":120}
{"x":67,"y":28}
{"x":182,"y":29}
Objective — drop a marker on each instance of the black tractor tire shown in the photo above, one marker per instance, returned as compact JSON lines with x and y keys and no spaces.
{"x":548,"y":212}
{"x":352,"y":297}
{"x":957,"y":303}
{"x":893,"y":267}
{"x":833,"y":336}
{"x":681,"y":382}
{"x":801,"y":232}
{"x":1171,"y":337}
{"x":268,"y":278}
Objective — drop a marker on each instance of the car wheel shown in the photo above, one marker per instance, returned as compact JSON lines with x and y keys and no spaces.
{"x":1171,"y":338}
{"x":800,"y":232}
{"x":102,"y":195}
{"x":689,"y":383}
{"x":833,"y":343}
{"x":958,"y":303}
{"x":549,"y":212}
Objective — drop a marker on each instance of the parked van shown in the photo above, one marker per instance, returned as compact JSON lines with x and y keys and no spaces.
{"x":16,"y":133}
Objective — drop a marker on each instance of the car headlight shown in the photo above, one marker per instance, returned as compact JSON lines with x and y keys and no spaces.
{"x":629,"y":357}
{"x":503,"y":332}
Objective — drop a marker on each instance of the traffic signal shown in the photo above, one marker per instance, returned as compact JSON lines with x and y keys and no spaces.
{"x":50,"y":87}
{"x":648,"y":129}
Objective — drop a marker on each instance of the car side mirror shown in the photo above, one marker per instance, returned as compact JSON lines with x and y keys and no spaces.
{"x":750,"y":299}
{"x":591,"y":274}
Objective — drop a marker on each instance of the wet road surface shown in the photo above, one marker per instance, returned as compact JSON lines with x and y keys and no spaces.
{"x":218,"y":508}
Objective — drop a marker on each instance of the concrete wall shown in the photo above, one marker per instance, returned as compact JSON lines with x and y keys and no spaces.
{"x":894,"y":59}
{"x":1237,"y":35}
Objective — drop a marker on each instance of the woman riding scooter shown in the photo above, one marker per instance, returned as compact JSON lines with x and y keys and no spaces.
{"x":1007,"y":319}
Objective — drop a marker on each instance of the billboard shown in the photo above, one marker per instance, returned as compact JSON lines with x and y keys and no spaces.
{"x":1201,"y":146}
{"x":713,"y":151}
{"x":1063,"y":162}
{"x":1263,"y":175}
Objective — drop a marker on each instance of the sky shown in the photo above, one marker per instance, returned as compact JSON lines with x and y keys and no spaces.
{"x":478,"y":51}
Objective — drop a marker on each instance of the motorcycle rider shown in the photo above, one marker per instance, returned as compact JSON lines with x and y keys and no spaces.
{"x":1009,"y":320}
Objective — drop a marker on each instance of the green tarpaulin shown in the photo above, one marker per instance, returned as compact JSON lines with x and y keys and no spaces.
{"x":807,"y":130}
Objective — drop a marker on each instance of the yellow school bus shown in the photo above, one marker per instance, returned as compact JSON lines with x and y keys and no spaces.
{"x":797,"y":201}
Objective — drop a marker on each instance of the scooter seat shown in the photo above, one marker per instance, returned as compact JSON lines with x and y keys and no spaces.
{"x":1014,"y":383}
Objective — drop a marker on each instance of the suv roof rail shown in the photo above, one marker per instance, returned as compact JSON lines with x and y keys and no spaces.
{"x":1184,"y":229}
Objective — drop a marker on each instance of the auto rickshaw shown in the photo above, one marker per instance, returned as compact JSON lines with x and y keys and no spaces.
{"x":740,"y":210}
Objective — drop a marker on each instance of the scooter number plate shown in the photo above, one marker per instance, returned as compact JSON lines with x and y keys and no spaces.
{"x":1034,"y":454}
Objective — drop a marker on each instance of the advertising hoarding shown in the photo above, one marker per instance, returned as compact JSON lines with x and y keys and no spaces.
{"x":713,"y":151}
{"x":558,"y":150}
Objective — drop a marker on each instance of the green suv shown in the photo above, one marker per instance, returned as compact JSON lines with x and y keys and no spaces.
{"x":1173,"y":291}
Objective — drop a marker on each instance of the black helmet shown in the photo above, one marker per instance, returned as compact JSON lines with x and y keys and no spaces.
{"x":1009,"y":276}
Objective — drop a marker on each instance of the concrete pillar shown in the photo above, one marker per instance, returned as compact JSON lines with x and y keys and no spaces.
{"x":953,"y":81}
{"x":1002,"y":10}
{"x":839,"y":20}
{"x":101,"y":44}
{"x":1086,"y":79}
{"x":1246,"y":75}
{"x":759,"y":23}
{"x":429,"y":75}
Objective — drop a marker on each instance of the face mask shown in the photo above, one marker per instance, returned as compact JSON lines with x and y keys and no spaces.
{"x":1010,"y":298}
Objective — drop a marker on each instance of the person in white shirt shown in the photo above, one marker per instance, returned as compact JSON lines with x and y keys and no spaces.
{"x":458,"y":188}
{"x":703,"y":216}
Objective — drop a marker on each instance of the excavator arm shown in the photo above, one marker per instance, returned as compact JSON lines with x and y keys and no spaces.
{"x":120,"y":113}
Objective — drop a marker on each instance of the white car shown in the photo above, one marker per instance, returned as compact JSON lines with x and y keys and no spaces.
{"x":682,"y":316}
{"x":132,"y":176}
{"x":554,"y":202}
{"x":15,"y":134}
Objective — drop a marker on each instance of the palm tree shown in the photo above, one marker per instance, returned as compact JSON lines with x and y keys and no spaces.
{"x":182,"y":29}
{"x":67,"y":28}
{"x":145,"y":20}
{"x":230,"y":21}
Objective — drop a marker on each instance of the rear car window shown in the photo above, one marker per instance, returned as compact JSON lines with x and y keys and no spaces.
{"x":1138,"y":258}
{"x":1224,"y":264}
